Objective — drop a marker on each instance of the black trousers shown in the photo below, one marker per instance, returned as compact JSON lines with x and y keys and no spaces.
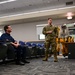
{"x":20,"y":52}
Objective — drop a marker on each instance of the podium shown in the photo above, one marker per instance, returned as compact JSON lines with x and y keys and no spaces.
{"x":71,"y":50}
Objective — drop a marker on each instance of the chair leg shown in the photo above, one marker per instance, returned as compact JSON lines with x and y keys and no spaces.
{"x":4,"y":61}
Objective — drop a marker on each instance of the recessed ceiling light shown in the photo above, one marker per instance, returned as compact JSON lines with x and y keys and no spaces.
{"x":69,"y":17}
{"x":69,"y":14}
{"x":6,"y":1}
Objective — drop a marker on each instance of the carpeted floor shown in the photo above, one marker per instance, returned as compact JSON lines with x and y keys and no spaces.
{"x":39,"y":67}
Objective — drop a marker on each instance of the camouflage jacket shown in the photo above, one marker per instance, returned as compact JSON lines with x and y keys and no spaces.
{"x":50,"y":28}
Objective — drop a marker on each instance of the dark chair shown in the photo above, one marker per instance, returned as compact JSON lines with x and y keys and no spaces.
{"x":28,"y":50}
{"x":34,"y":49}
{"x":3,"y":51}
{"x":22,"y":43}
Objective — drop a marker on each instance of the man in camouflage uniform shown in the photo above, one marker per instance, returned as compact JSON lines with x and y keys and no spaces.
{"x":50,"y":33}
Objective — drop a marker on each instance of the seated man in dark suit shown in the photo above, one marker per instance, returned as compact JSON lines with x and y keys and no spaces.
{"x":15,"y":46}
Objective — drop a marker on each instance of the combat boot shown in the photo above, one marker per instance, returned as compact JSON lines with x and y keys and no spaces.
{"x":55,"y":57}
{"x":55,"y":60}
{"x":46,"y":56}
{"x":45,"y":59}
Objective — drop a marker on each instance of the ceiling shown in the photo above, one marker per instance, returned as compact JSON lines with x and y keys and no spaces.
{"x":18,"y":9}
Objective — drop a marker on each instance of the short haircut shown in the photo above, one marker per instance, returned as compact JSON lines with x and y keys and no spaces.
{"x":49,"y":18}
{"x":6,"y":27}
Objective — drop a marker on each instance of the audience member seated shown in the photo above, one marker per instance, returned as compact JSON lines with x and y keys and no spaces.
{"x":14,"y":46}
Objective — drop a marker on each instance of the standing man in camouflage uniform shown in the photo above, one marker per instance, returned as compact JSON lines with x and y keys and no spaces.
{"x":50,"y":33}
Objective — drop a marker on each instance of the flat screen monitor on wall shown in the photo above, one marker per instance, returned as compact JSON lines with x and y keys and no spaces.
{"x":41,"y":37}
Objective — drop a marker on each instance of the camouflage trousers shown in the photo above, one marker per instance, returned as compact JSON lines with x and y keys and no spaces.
{"x":50,"y":42}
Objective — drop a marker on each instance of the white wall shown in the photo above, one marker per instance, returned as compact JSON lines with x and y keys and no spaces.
{"x":28,"y":31}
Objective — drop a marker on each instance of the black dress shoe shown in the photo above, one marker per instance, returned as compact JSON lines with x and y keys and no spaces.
{"x":20,"y":63}
{"x":25,"y":61}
